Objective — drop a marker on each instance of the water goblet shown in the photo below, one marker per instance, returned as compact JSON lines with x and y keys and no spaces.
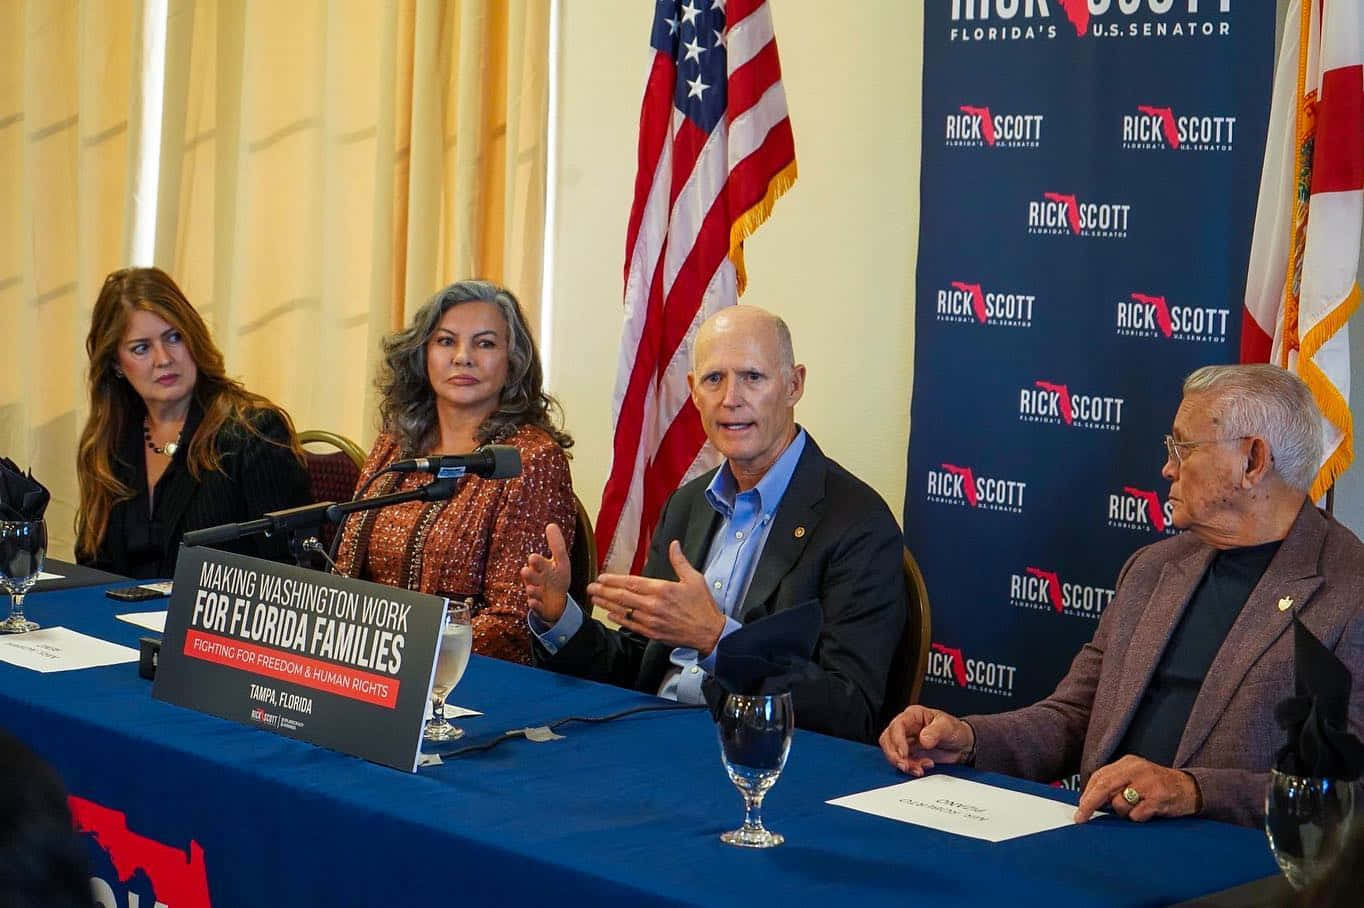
{"x":755,"y":737}
{"x":1307,"y":821}
{"x":23,"y":544}
{"x":452,"y":658}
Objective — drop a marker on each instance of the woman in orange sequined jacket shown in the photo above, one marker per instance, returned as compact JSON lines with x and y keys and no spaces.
{"x":465,"y":373}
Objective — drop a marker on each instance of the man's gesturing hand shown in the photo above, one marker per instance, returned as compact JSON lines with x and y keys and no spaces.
{"x":546,"y":579}
{"x":678,"y":613}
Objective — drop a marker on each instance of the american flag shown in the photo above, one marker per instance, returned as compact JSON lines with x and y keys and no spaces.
{"x":715,"y":152}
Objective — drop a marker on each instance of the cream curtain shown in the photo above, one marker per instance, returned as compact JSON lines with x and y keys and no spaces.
{"x":69,"y":84}
{"x":324,"y":167}
{"x":327,"y":165}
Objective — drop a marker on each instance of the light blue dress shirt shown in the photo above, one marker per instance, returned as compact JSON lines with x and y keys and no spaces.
{"x":746,"y":520}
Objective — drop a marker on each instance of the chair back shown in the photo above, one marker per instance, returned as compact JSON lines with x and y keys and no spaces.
{"x":332,"y":476}
{"x":583,"y":557}
{"x":910,"y":663}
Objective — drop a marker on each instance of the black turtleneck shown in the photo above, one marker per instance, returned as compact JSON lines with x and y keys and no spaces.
{"x":1159,"y":721}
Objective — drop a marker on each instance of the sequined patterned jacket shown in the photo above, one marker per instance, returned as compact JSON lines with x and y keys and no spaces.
{"x":474,"y":544}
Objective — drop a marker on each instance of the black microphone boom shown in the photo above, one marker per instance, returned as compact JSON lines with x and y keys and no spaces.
{"x":313,"y":515}
{"x":489,"y":461}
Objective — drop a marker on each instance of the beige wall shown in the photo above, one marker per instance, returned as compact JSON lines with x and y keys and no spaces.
{"x":836,"y":260}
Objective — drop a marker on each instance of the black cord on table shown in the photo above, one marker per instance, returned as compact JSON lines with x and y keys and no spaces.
{"x":485,"y":746}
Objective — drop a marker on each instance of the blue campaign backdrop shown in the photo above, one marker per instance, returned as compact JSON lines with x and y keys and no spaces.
{"x":1090,"y":173}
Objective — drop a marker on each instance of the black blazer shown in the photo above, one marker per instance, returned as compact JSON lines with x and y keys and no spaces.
{"x":832,"y":539}
{"x":256,"y":476}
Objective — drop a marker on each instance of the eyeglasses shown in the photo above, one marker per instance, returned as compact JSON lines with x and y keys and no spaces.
{"x":1172,"y":447}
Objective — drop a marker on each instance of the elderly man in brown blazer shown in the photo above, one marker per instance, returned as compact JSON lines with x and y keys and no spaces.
{"x":1169,"y":709}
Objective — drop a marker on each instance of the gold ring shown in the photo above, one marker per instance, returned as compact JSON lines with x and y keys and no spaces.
{"x":629,"y":614}
{"x":1131,"y":795}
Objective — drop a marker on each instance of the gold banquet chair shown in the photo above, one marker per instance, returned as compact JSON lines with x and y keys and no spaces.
{"x":910,"y":663}
{"x":582,"y":557}
{"x":332,"y":475}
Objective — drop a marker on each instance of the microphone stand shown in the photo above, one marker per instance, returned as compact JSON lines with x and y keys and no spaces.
{"x":303,"y":522}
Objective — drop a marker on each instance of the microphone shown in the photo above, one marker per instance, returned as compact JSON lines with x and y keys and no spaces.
{"x":310,"y":516}
{"x":226,"y":532}
{"x":489,"y":461}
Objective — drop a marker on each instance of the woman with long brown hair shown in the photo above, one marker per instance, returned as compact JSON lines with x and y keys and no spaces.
{"x":465,"y":373}
{"x":172,"y":444}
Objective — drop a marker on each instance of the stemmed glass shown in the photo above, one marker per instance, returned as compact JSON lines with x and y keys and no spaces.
{"x":456,"y":641}
{"x":23,"y":543}
{"x":1307,"y":821}
{"x":755,"y":737}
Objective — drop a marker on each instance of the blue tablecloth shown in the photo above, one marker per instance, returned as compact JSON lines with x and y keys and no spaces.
{"x":614,"y":813}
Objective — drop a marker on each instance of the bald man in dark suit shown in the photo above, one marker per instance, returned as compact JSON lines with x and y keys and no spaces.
{"x":776,"y":526}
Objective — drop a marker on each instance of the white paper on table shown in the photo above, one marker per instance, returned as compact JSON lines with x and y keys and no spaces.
{"x":152,"y":621}
{"x":57,"y":649}
{"x":962,"y":807}
{"x":451,"y":711}
{"x":44,"y":575}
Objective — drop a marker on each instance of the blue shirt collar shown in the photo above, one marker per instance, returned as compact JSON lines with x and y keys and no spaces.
{"x":723,"y":488}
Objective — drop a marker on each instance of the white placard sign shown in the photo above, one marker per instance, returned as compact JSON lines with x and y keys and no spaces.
{"x":962,"y":807}
{"x":58,"y":649}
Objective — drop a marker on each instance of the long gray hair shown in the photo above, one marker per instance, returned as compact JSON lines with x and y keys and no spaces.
{"x":408,"y":403}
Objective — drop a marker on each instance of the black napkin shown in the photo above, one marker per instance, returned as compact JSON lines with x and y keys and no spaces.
{"x":765,"y":656}
{"x":1317,"y":718}
{"x":21,"y":496}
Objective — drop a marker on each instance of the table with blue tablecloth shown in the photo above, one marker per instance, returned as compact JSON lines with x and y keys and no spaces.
{"x":623,"y":812}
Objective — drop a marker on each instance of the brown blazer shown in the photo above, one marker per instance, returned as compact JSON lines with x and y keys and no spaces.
{"x":1231,"y":737}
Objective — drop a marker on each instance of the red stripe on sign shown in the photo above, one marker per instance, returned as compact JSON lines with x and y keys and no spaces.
{"x":1338,"y":159}
{"x":327,"y":677}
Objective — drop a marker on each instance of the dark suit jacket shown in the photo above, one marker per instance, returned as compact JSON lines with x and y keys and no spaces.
{"x":832,"y":539}
{"x":1231,"y":737}
{"x":256,"y":476}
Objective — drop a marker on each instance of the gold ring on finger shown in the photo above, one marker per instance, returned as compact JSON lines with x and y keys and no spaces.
{"x":1131,"y":795}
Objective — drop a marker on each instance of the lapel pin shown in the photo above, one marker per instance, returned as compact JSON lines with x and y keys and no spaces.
{"x":799,"y":532}
{"x":1285,"y":603}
